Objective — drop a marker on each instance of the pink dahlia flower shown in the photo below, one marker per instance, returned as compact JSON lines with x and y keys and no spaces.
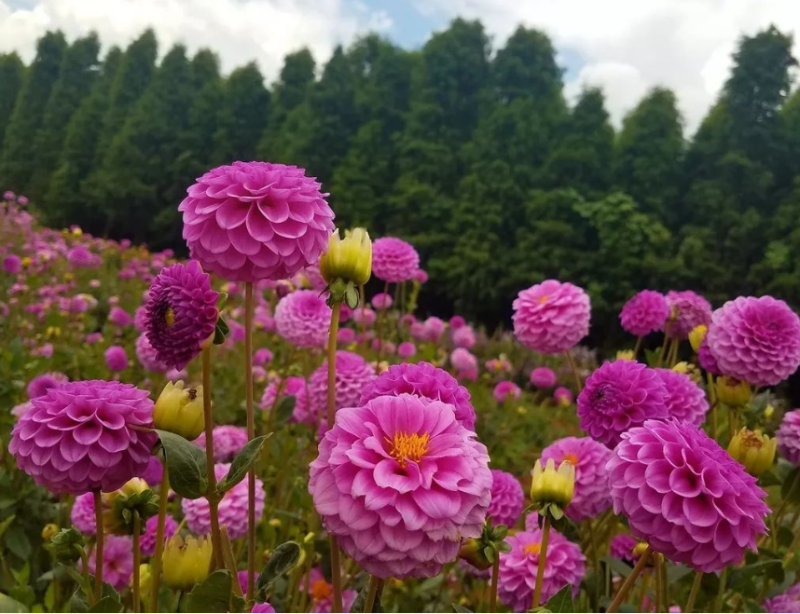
{"x":618,"y":396}
{"x":621,"y":547}
{"x":232,"y":508}
{"x":228,"y":441}
{"x":148,"y":356}
{"x":353,"y":376}
{"x":382,"y":301}
{"x":40,"y":384}
{"x":543,"y":377}
{"x":421,"y":276}
{"x":314,"y":277}
{"x":400,"y":482}
{"x":463,"y":360}
{"x":265,"y":607}
{"x":645,"y":313}
{"x":685,"y":401}
{"x":117,"y":561}
{"x":262,"y":357}
{"x":426,"y":381}
{"x":457,"y":322}
{"x":589,"y":458}
{"x":756,"y":340}
{"x":507,"y":499}
{"x":788,"y":601}
{"x":565,"y":565}
{"x":345,"y":336}
{"x":687,"y":310}
{"x":140,"y":318}
{"x":152,"y":475}
{"x":394,"y":260}
{"x":788,"y":436}
{"x":498,"y":365}
{"x":685,"y":495}
{"x":303,"y":319}
{"x":551,"y":317}
{"x":119,"y":317}
{"x":116,"y":358}
{"x":706,"y":359}
{"x":181,"y":313}
{"x":83,"y":437}
{"x":256,"y":220}
{"x":321,"y":592}
{"x":147,"y":542}
{"x":434,"y":328}
{"x":364,"y":316}
{"x":81,"y":258}
{"x":406,"y":350}
{"x":82,"y":514}
{"x":295,"y":387}
{"x":12,"y":264}
{"x":506,"y":390}
{"x":463,"y":337}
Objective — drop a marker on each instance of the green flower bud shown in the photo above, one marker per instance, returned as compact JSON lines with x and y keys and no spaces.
{"x":179,"y":410}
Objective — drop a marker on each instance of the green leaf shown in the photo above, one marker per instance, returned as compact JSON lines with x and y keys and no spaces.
{"x":361,"y":601}
{"x":676,"y":572}
{"x":284,"y":409}
{"x":283,"y":558}
{"x":488,"y":552}
{"x":561,"y":601}
{"x":244,"y":459}
{"x":7,"y":604}
{"x":187,"y":466}
{"x":768,"y":479}
{"x":771,"y":569}
{"x":617,"y":566}
{"x":107,"y":604}
{"x":791,"y":486}
{"x":460,"y":608}
{"x":221,"y":330}
{"x":5,"y":524}
{"x":213,"y":595}
{"x":351,"y":296}
{"x":18,"y":542}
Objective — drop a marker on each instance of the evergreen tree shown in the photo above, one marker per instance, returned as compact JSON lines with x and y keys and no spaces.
{"x":12,"y":72}
{"x":243,"y":115}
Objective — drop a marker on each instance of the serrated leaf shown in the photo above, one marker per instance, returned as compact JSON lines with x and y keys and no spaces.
{"x":108,"y":605}
{"x":561,"y":601}
{"x":284,"y":409}
{"x":213,"y":595}
{"x":244,"y":459}
{"x":187,"y":465}
{"x":283,"y":558}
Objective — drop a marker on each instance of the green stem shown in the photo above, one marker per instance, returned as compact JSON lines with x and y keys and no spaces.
{"x":372,"y":591}
{"x":643,"y":592}
{"x":137,"y":555}
{"x":663,"y":352}
{"x":381,"y":318}
{"x":637,"y":347}
{"x":630,"y":581}
{"x":162,"y":517}
{"x":698,"y":579}
{"x":251,"y":434}
{"x":540,"y":566}
{"x":98,"y":548}
{"x":659,"y":570}
{"x":721,"y":593}
{"x":336,"y":566}
{"x":495,"y":577}
{"x":87,"y":587}
{"x":574,"y":368}
{"x":211,"y":495}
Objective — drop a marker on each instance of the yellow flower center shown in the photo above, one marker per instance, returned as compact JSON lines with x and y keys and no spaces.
{"x":533,"y":549}
{"x":407,"y":447}
{"x":169,"y":317}
{"x":320,"y":590}
{"x":571,"y":459}
{"x":543,"y":299}
{"x":752,"y":440}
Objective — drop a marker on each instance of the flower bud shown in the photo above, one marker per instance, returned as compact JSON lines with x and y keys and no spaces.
{"x":186,"y":562}
{"x":348,"y":259}
{"x":753,"y":450}
{"x":689,"y":369}
{"x":733,"y":392}
{"x":553,"y":486}
{"x":49,"y":530}
{"x":67,"y":545}
{"x":145,"y":578}
{"x":179,"y":410}
{"x":120,"y":505}
{"x":696,"y":336}
{"x":472,"y":552}
{"x":769,"y":410}
{"x":625,"y":355}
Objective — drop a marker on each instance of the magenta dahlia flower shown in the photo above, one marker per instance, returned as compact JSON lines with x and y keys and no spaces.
{"x":685,"y":495}
{"x":426,"y":381}
{"x":148,"y":356}
{"x":232,"y":508}
{"x":685,"y":401}
{"x":400,"y":482}
{"x":406,"y":350}
{"x":83,"y":437}
{"x":116,"y":358}
{"x":788,"y":436}
{"x":645,"y":313}
{"x":620,"y":395}
{"x":621,"y":547}
{"x":228,"y":441}
{"x":119,"y":317}
{"x":353,"y":375}
{"x":82,"y":514}
{"x":706,"y":359}
{"x":12,"y":264}
{"x":565,"y":565}
{"x":563,"y":396}
{"x":756,"y":340}
{"x":551,"y":317}
{"x":261,"y":357}
{"x":40,"y":384}
{"x":382,"y":301}
{"x":256,"y":220}
{"x":295,"y":387}
{"x":457,"y":322}
{"x":463,"y":337}
{"x":589,"y":458}
{"x":152,"y":475}
{"x":117,"y":561}
{"x":81,"y":258}
{"x":434,"y":328}
{"x":345,"y":336}
{"x":147,"y":542}
{"x":788,"y":601}
{"x":463,"y":360}
{"x":507,"y":499}
{"x":181,"y":313}
{"x":394,"y":260}
{"x":259,"y":608}
{"x":506,"y":390}
{"x":364,"y":316}
{"x":303,"y":319}
{"x":543,"y":377}
{"x":687,"y":310}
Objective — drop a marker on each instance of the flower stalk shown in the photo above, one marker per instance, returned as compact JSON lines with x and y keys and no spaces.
{"x":137,"y":555}
{"x":630,"y":581}
{"x":213,"y":498}
{"x":540,"y":566}
{"x":98,"y":548}
{"x":336,"y":569}
{"x":251,"y":433}
{"x":162,"y":517}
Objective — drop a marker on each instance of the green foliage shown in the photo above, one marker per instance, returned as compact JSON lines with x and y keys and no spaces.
{"x":187,"y":465}
{"x":12,"y":72}
{"x":242,"y":463}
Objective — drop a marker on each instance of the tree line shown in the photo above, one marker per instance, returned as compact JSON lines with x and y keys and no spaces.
{"x":471,"y":153}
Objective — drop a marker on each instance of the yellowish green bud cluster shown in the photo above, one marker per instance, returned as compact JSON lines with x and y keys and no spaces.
{"x":186,"y":562}
{"x":753,"y":450}
{"x":696,"y":336}
{"x":553,"y":486}
{"x":120,"y":506}
{"x":179,"y":410}
{"x":346,"y":265}
{"x":733,"y":392}
{"x":625,"y":355}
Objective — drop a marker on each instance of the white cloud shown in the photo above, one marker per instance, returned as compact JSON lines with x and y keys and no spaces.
{"x":238,"y":30}
{"x":629,"y":46}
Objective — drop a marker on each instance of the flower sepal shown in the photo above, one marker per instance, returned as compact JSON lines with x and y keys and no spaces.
{"x":340,"y":291}
{"x":221,"y":330}
{"x":67,"y":545}
{"x":482,"y":552}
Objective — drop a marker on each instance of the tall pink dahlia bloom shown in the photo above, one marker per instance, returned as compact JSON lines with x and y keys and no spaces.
{"x":565,"y":565}
{"x":687,"y":310}
{"x":148,"y":357}
{"x":394,"y":260}
{"x":506,"y":390}
{"x":228,"y":442}
{"x":149,"y":537}
{"x":353,"y":375}
{"x":181,"y":313}
{"x":591,"y":477}
{"x":685,"y":401}
{"x":685,"y":495}
{"x":400,"y":482}
{"x":40,"y":384}
{"x":756,"y":340}
{"x":788,"y":601}
{"x":618,"y":396}
{"x":83,"y":436}
{"x":295,"y":387}
{"x":621,"y":547}
{"x":788,"y":436}
{"x":117,"y":561}
{"x":426,"y":381}
{"x":551,"y":317}
{"x":256,"y":220}
{"x":507,"y":499}
{"x":644,"y":313}
{"x":543,"y":377}
{"x":303,"y":319}
{"x":82,"y":514}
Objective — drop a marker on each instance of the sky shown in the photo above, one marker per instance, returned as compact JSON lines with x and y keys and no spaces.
{"x":625,"y":47}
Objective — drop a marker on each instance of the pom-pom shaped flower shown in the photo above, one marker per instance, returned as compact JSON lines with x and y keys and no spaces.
{"x":116,"y":358}
{"x":256,"y":220}
{"x":685,"y":496}
{"x":147,"y":542}
{"x":426,"y":381}
{"x":756,"y":340}
{"x":82,"y":514}
{"x":400,"y":482}
{"x":687,"y":310}
{"x":228,"y":441}
{"x":353,"y":375}
{"x":12,"y":264}
{"x":294,"y":387}
{"x":463,"y":337}
{"x":433,"y":328}
{"x":508,"y":499}
{"x":563,"y":396}
{"x":181,"y":313}
{"x":788,"y":436}
{"x":40,"y":384}
{"x":259,"y":608}
{"x":117,"y":561}
{"x":394,"y":260}
{"x":406,"y":350}
{"x":706,"y":359}
{"x":85,"y":436}
{"x":685,"y":400}
{"x":543,"y":377}
{"x":788,"y":601}
{"x":232,"y":508}
{"x":119,"y":317}
{"x":148,"y":356}
{"x":551,"y":317}
{"x":382,"y":301}
{"x":565,"y":565}
{"x":303,"y":319}
{"x":463,"y":360}
{"x":506,"y":390}
{"x":589,"y":458}
{"x":646,"y":312}
{"x":620,"y":395}
{"x":621,"y":547}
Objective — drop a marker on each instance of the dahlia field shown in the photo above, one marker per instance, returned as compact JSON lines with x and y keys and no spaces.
{"x":270,"y":426}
